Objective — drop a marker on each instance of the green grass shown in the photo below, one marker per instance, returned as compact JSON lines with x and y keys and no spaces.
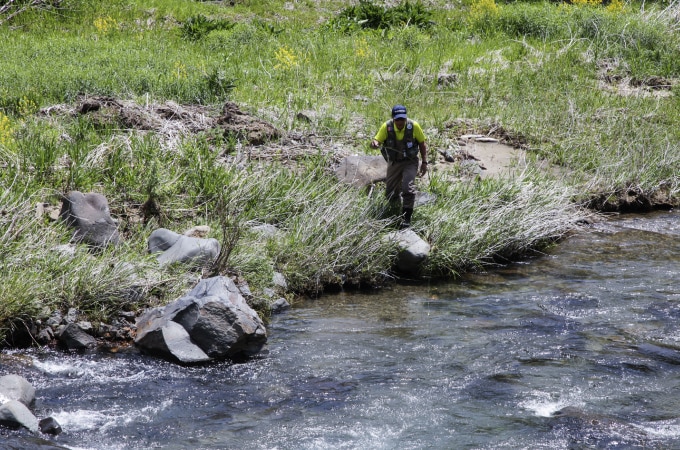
{"x":547,"y":72}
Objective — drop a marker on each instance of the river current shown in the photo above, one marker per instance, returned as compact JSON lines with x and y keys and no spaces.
{"x":578,"y":348}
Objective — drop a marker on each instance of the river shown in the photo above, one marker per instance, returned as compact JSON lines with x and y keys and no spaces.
{"x":578,"y":348}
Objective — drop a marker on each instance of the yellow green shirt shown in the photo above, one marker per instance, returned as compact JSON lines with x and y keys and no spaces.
{"x":418,"y":134}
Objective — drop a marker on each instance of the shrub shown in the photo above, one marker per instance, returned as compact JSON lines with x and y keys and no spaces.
{"x":197,"y":27}
{"x":369,"y":15}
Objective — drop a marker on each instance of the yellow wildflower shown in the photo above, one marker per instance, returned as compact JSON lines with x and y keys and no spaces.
{"x":286,"y":58}
{"x":586,"y":2}
{"x":27,"y":106}
{"x":481,"y":9}
{"x":361,"y":48}
{"x":6,"y":130}
{"x":105,"y":24}
{"x":615,"y":6}
{"x":180,"y":70}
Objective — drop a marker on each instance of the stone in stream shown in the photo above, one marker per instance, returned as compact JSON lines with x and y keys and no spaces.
{"x":413,"y":250}
{"x":583,"y":428}
{"x":217,"y":321}
{"x":16,"y":387}
{"x":15,"y":414}
{"x":49,"y":425}
{"x":169,"y":339}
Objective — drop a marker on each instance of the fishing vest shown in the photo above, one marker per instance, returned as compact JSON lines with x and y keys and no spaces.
{"x":394,"y":150}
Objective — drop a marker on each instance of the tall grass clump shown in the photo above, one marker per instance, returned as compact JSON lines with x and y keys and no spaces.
{"x":328,"y":234}
{"x":493,"y":222}
{"x":336,"y":242}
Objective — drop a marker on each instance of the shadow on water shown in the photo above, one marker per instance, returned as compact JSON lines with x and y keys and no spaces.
{"x":579,"y":348}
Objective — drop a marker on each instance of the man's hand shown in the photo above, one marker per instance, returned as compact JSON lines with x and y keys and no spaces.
{"x":423,"y":168}
{"x":375,"y":143}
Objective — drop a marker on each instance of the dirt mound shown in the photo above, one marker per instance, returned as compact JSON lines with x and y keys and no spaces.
{"x":171,"y":119}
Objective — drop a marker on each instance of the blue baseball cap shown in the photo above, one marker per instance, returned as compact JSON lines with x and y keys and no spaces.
{"x":399,"y":112}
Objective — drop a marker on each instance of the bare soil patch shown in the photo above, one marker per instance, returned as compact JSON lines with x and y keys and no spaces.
{"x":617,"y":80}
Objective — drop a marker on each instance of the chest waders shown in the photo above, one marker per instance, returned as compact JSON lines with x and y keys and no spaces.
{"x":394,"y":150}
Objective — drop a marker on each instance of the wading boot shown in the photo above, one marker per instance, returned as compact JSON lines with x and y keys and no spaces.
{"x":406,"y":218}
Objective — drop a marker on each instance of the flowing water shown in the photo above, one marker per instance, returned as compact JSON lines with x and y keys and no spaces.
{"x":579,"y":348}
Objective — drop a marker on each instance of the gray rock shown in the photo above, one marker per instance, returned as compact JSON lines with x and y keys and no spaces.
{"x":55,"y":319}
{"x":215,"y":317}
{"x":161,"y":240}
{"x":169,"y":339}
{"x":174,"y":247}
{"x":45,"y":336}
{"x":71,"y":316}
{"x":75,"y":338}
{"x":127,"y":315}
{"x":279,"y":280}
{"x":414,"y":250}
{"x":279,"y":306}
{"x":245,"y":291}
{"x":85,"y":326}
{"x":362,"y":171}
{"x":15,"y":414}
{"x":16,"y":387}
{"x":424,"y":198}
{"x":89,"y":215}
{"x":267,"y":230}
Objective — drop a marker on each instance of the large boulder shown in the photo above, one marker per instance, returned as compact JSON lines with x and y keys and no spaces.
{"x":362,"y":171}
{"x":173,"y":247}
{"x":16,"y":387}
{"x":413,"y":250}
{"x":217,"y":321}
{"x":89,"y":215}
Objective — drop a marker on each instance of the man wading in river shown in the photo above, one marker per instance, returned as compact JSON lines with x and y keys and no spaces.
{"x":402,"y":139}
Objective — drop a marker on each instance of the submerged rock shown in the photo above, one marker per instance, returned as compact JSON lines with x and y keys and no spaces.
{"x":280,"y":306}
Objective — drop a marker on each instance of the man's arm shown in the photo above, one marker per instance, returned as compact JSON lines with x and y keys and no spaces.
{"x":380,"y":136}
{"x":422,"y":146}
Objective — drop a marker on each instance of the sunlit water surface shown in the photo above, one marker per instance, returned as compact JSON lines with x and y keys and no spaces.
{"x":579,"y":348}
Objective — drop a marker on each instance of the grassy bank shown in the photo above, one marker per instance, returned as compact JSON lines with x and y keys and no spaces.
{"x":588,"y":88}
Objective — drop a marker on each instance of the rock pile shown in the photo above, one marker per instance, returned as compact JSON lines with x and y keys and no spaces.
{"x":17,"y":396}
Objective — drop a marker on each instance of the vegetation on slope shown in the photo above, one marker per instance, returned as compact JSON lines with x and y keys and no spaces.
{"x":588,"y":87}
